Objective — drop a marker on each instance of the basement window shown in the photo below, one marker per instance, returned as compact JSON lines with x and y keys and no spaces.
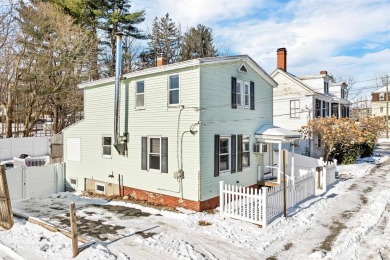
{"x":106,"y":143}
{"x":100,"y":188}
{"x":73,"y":181}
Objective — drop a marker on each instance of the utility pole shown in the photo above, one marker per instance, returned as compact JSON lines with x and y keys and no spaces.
{"x":387,"y":107}
{"x":284,"y":185}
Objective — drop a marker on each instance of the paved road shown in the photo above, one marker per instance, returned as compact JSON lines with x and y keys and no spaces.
{"x":350,"y":222}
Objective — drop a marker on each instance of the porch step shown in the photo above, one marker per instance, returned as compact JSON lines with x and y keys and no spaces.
{"x":267,"y":183}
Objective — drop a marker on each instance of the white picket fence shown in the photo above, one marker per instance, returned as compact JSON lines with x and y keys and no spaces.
{"x":265,"y":205}
{"x":242,"y":203}
{"x":36,"y":181}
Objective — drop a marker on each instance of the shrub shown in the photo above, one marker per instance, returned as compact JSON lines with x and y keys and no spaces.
{"x":366,"y":149}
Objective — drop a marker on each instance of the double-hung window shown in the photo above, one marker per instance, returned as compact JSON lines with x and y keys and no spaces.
{"x":246,"y":94}
{"x":239,"y":94}
{"x":224,"y":156}
{"x":245,"y":152}
{"x":140,"y":94}
{"x":294,"y":108}
{"x":174,"y":90}
{"x":106,"y":143}
{"x":326,"y":87}
{"x":243,"y":94}
{"x":231,"y":153}
{"x":154,"y":153}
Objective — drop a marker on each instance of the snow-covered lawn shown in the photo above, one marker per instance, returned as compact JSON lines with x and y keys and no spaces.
{"x":350,"y":221}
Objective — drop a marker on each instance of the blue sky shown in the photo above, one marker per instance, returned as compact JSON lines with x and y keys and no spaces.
{"x":346,"y":38}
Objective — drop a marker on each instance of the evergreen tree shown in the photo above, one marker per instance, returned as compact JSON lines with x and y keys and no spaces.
{"x":198,"y":43}
{"x":107,"y":16}
{"x":165,"y":39}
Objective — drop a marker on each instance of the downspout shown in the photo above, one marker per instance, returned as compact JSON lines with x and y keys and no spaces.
{"x":120,"y":142}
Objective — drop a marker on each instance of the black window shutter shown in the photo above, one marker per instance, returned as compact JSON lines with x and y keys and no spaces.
{"x":252,"y":95}
{"x":233,"y":153}
{"x":216,"y":155}
{"x":239,"y":153}
{"x":234,"y":92}
{"x":144,"y":153}
{"x":164,"y":154}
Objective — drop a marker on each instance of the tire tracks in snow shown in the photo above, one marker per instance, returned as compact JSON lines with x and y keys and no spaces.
{"x":366,"y":228}
{"x":340,"y":222}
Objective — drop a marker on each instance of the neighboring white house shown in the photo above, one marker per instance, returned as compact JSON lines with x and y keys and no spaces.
{"x":379,"y":104}
{"x":299,"y":99}
{"x":186,"y":126}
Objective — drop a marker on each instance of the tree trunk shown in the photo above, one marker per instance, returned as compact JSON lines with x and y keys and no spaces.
{"x":9,"y":119}
{"x":95,"y":57}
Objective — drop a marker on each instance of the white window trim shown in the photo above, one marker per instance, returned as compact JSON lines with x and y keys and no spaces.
{"x":137,"y":94}
{"x":100,"y":184}
{"x":241,"y":100}
{"x":147,"y":159}
{"x":242,"y":65}
{"x":106,"y":155}
{"x":247,"y":84}
{"x":241,"y":88}
{"x":249,"y":151}
{"x":169,"y":90}
{"x":297,"y":113}
{"x":226,"y":172}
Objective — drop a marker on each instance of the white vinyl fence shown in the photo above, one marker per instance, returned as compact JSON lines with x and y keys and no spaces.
{"x":14,"y":147}
{"x":34,"y":182}
{"x":265,"y":205}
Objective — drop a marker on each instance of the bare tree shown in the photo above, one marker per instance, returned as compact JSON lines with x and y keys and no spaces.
{"x":55,"y":60}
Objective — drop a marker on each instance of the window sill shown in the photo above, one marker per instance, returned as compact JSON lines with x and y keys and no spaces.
{"x":173,"y":106}
{"x":107,"y":156}
{"x":140,"y":108}
{"x":224,"y":173}
{"x":154,"y":171}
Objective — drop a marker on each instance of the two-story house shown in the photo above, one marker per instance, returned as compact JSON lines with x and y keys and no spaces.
{"x":169,"y":134}
{"x":300,"y":99}
{"x":379,"y":102}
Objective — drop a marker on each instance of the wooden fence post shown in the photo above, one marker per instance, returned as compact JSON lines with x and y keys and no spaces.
{"x":6,"y":217}
{"x":73,"y":224}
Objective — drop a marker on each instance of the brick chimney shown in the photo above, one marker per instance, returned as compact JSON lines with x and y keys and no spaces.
{"x":282,"y":59}
{"x":323,"y":72}
{"x":161,"y":61}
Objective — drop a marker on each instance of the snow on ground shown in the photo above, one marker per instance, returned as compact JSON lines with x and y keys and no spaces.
{"x":349,"y":221}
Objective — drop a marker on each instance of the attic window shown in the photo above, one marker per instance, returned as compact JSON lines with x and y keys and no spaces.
{"x":243,"y":68}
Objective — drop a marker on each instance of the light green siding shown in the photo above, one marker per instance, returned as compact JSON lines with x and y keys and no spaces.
{"x":218,"y":117}
{"x":157,"y":119}
{"x":205,"y":93}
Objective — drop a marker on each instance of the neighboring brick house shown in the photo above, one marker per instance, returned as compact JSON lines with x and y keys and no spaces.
{"x":299,"y":99}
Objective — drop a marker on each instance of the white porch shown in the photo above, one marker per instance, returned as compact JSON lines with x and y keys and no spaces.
{"x":268,"y":153}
